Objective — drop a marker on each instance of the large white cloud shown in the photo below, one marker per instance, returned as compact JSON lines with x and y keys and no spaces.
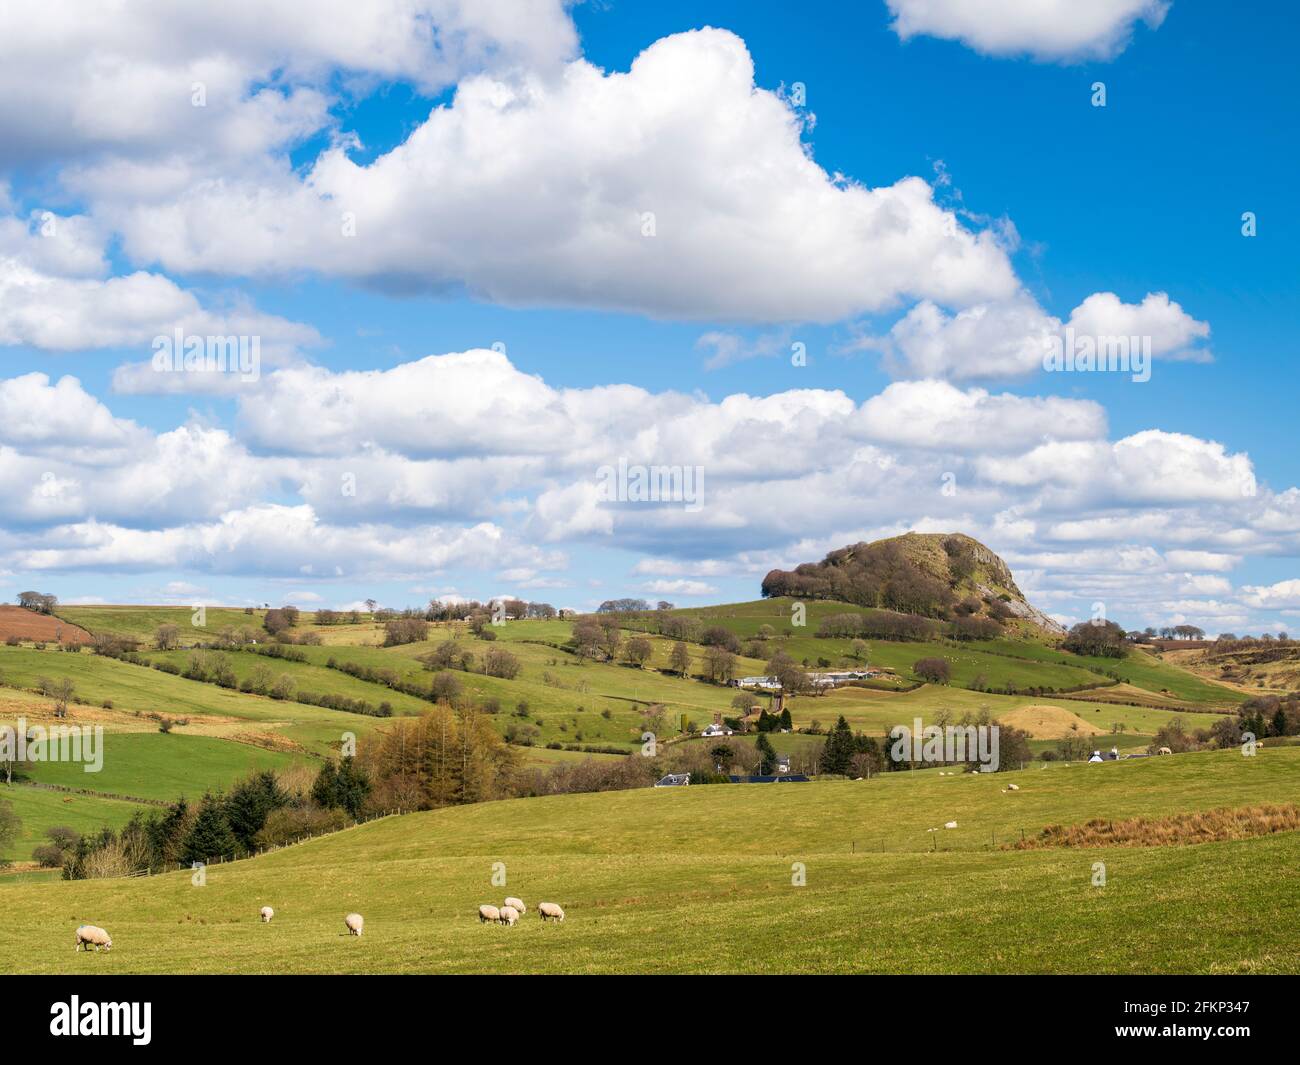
{"x":56,"y":294}
{"x":1045,"y":29}
{"x":1172,"y":332}
{"x":1011,"y":338}
{"x":272,"y":540}
{"x":60,"y":417}
{"x":936,"y":415}
{"x":1283,"y":594}
{"x":339,"y":474}
{"x":120,"y":78}
{"x":534,"y":190}
{"x":1150,"y":467}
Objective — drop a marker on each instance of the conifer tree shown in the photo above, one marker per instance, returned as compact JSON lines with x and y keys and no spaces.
{"x":210,"y":838}
{"x":837,"y":754}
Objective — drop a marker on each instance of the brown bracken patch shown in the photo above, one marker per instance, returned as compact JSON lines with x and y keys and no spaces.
{"x":1173,"y":831}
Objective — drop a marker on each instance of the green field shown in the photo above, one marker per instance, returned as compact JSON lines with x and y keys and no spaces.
{"x":138,"y":688}
{"x":136,"y":765}
{"x":307,"y":676}
{"x":39,"y":809}
{"x":700,"y":879}
{"x":150,"y":765}
{"x":143,"y":622}
{"x":557,"y":697}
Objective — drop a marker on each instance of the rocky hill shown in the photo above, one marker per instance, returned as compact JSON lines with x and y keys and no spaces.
{"x":933,"y":574}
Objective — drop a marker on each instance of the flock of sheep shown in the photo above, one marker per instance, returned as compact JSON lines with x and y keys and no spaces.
{"x":512,"y":909}
{"x":89,"y":935}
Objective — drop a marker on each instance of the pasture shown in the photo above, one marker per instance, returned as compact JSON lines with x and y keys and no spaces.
{"x":703,"y":879}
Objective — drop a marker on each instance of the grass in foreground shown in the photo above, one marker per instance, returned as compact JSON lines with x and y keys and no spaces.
{"x":701,"y":879}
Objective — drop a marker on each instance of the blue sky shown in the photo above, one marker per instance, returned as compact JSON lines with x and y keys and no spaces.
{"x":1169,"y":500}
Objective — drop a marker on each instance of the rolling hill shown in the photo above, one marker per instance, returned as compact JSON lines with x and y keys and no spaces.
{"x":921,"y":573}
{"x":704,"y":879}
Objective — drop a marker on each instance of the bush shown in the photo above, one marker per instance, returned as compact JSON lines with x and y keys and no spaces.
{"x":717,"y":636}
{"x":1102,"y":639}
{"x":935,"y":670}
{"x":405,"y":630}
{"x":501,"y":663}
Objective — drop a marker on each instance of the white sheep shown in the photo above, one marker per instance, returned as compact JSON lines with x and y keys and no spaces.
{"x":950,"y":824}
{"x":90,"y":935}
{"x":518,"y":904}
{"x":509,"y":915}
{"x":1013,"y":787}
{"x":355,"y":923}
{"x":550,"y":911}
{"x":488,"y":913}
{"x":267,"y":914}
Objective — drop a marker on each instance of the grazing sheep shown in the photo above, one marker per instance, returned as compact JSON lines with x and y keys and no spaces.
{"x":488,"y":913}
{"x":951,"y":824}
{"x":267,"y":914}
{"x":89,"y":935}
{"x":1164,"y":750}
{"x":550,"y":911}
{"x":509,"y":915}
{"x":1013,"y":787}
{"x":518,"y":904}
{"x":355,"y":923}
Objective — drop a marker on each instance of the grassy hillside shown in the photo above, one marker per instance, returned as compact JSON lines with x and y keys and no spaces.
{"x":137,"y":688}
{"x":700,"y":880}
{"x":878,"y":712}
{"x":1028,"y":661}
{"x":39,"y":809}
{"x":142,"y":622}
{"x":155,"y":766}
{"x":557,"y":698}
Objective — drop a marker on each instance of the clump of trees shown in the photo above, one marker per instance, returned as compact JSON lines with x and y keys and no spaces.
{"x":257,"y":813}
{"x":62,"y":843}
{"x":1097,"y":639}
{"x":280,"y":620}
{"x":847,"y":754}
{"x":719,"y":664}
{"x":501,"y":663}
{"x":718,"y":636}
{"x":597,"y":638}
{"x":934,"y":670}
{"x":623,"y":606}
{"x":1270,"y":715}
{"x":41,"y":602}
{"x":871,"y":575}
{"x":637,"y":651}
{"x":438,"y":759}
{"x":976,"y":628}
{"x":880,"y":624}
{"x":1182,"y":632}
{"x":405,"y":630}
